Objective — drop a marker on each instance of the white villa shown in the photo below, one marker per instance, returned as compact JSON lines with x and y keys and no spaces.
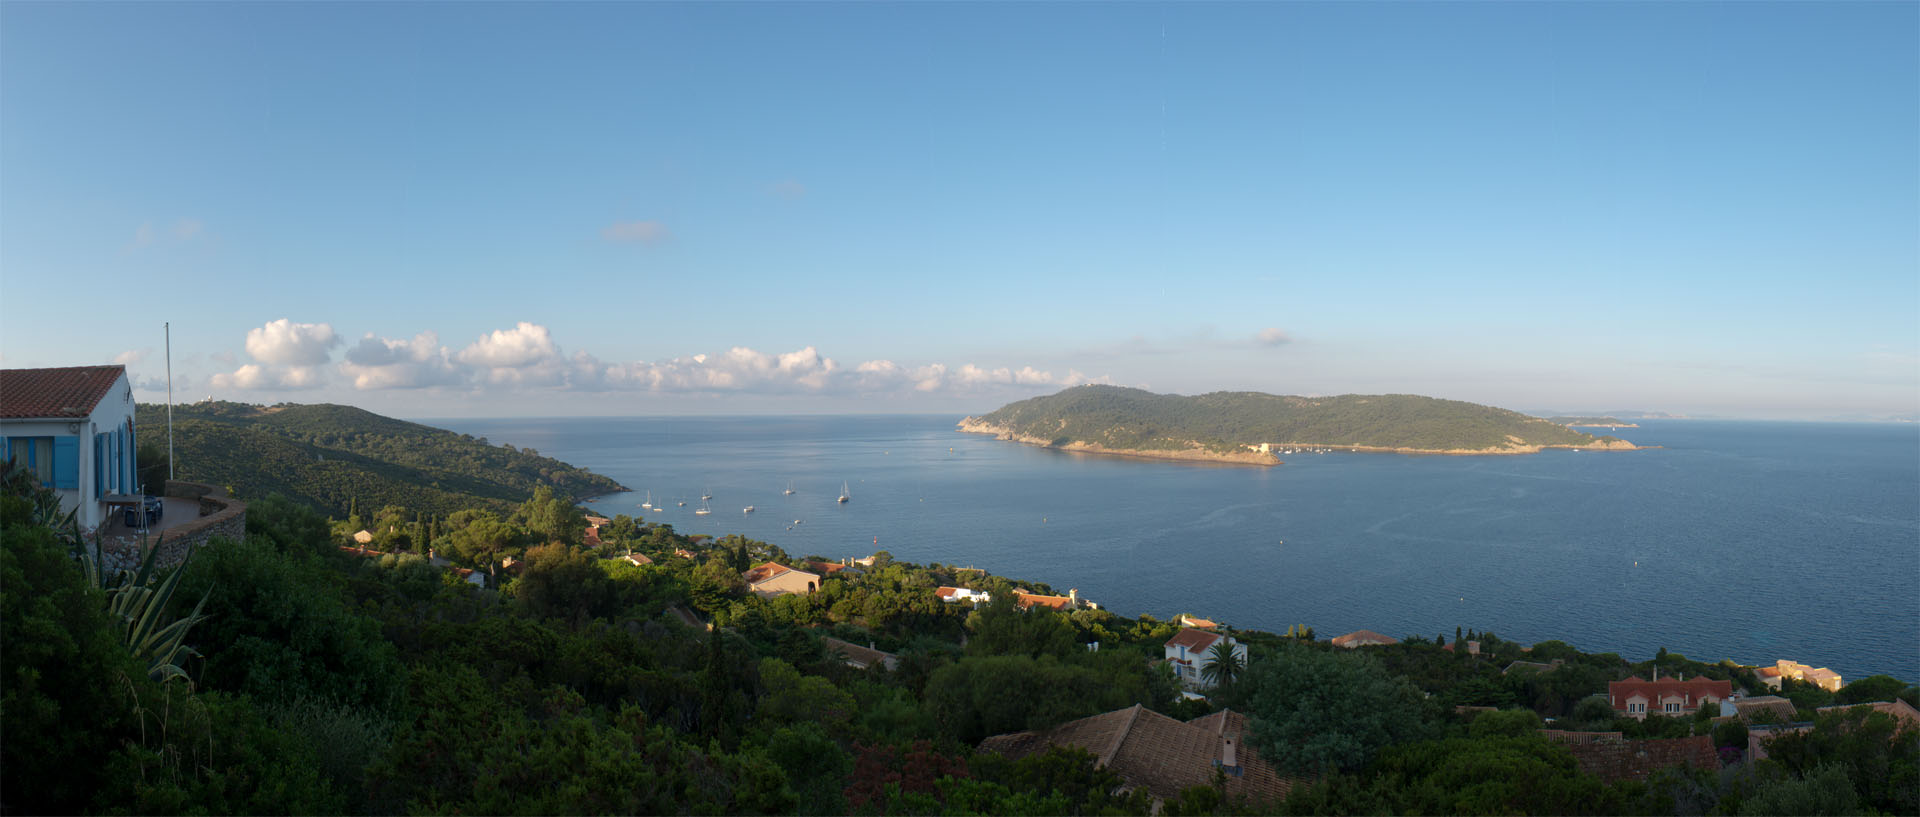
{"x":73,"y":427}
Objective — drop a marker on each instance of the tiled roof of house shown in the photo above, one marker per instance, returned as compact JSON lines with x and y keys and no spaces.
{"x":1617,"y":760}
{"x":945,"y":592}
{"x":1748,"y":707}
{"x":1197,"y":622}
{"x":764,"y":572}
{"x":1363,"y":637}
{"x":69,"y":392}
{"x":1768,"y":672}
{"x":1196,"y":641}
{"x":637,"y":559}
{"x":1654,"y":690}
{"x":1025,"y":600}
{"x":1900,"y":710}
{"x":826,"y":568}
{"x":1152,"y":751}
{"x":857,"y":655}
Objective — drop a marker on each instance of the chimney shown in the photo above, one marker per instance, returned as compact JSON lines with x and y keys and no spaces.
{"x":1656,"y":673}
{"x":1228,"y":758}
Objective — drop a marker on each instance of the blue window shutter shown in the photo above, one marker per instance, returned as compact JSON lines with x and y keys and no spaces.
{"x":126,"y":483}
{"x":66,"y":463}
{"x":99,"y":465}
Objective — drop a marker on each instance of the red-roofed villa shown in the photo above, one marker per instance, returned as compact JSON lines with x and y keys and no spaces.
{"x":1191,"y":650}
{"x":72,"y":427}
{"x":1671,"y":697}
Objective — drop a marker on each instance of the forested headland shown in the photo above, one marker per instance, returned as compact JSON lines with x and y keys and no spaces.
{"x":340,"y":459}
{"x":1125,"y":420}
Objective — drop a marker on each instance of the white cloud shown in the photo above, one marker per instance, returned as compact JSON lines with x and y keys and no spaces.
{"x":295,"y":356}
{"x":380,"y":363}
{"x":131,"y":356}
{"x":1272,"y":336}
{"x":255,"y":377}
{"x":640,"y":232}
{"x":293,"y":344}
{"x":187,"y":229}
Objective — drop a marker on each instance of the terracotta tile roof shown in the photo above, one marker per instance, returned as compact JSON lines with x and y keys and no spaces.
{"x":1748,"y":707}
{"x":1152,"y":751}
{"x":1025,"y":600}
{"x":1617,"y":760}
{"x":637,"y":559}
{"x":945,"y":592}
{"x":1900,"y":710}
{"x":764,"y":572}
{"x":1195,"y":621}
{"x":1768,"y":672}
{"x":1692,"y":690}
{"x":71,"y":392}
{"x":1196,"y":641}
{"x":859,"y":656}
{"x":1361,"y":638}
{"x":827,"y":568}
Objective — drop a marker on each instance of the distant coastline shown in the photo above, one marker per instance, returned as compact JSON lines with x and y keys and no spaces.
{"x":1250,"y":456}
{"x":1197,"y":453}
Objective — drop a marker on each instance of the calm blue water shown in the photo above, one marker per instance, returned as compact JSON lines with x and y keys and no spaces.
{"x":1743,"y":540}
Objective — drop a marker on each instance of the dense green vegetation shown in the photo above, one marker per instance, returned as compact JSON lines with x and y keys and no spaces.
{"x":1123,"y":418}
{"x":331,"y":458}
{"x":327,"y":679}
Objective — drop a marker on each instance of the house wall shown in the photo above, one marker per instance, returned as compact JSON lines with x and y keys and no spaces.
{"x":97,"y":454}
{"x":792,"y":581}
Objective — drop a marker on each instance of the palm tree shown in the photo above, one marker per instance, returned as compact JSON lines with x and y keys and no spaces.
{"x":1223,"y":666}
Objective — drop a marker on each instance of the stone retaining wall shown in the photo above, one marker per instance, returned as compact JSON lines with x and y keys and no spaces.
{"x":220,"y":515}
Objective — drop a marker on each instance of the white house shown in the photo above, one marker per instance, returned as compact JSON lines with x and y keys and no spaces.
{"x":73,"y":427}
{"x":1191,"y":650}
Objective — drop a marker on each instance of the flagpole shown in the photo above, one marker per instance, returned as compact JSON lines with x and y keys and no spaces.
{"x":169,"y":329}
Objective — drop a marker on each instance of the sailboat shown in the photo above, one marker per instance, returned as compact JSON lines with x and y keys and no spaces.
{"x":789,"y":487}
{"x":708,"y":494}
{"x":703,"y":510}
{"x":649,"y":503}
{"x":845,"y":493}
{"x":748,"y":509}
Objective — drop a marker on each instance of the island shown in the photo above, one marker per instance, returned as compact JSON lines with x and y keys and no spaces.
{"x":1255,"y":429}
{"x":1593,"y":422}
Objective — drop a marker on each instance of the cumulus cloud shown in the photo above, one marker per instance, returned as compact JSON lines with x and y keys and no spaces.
{"x":380,"y":363}
{"x":1272,"y":336}
{"x":288,"y":355}
{"x":296,"y":356}
{"x":255,"y":377}
{"x":131,"y":356}
{"x":292,"y":344}
{"x":636,"y":232}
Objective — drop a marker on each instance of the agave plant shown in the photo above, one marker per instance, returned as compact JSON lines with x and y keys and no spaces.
{"x":140,"y":610}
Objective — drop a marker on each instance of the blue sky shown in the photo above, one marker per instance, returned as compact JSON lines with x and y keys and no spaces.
{"x":501,"y":209}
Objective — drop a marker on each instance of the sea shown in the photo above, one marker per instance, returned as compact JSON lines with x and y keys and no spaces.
{"x":1750,"y":541}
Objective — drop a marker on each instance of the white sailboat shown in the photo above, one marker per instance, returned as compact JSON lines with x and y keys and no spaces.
{"x":845,"y":493}
{"x":703,"y":510}
{"x":789,"y":488}
{"x":708,"y":495}
{"x":649,"y":503}
{"x":748,"y":509}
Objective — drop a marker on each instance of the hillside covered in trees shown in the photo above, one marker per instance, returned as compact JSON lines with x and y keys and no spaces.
{"x":1131,"y":420}
{"x":330,"y":457}
{"x":285,"y":673}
